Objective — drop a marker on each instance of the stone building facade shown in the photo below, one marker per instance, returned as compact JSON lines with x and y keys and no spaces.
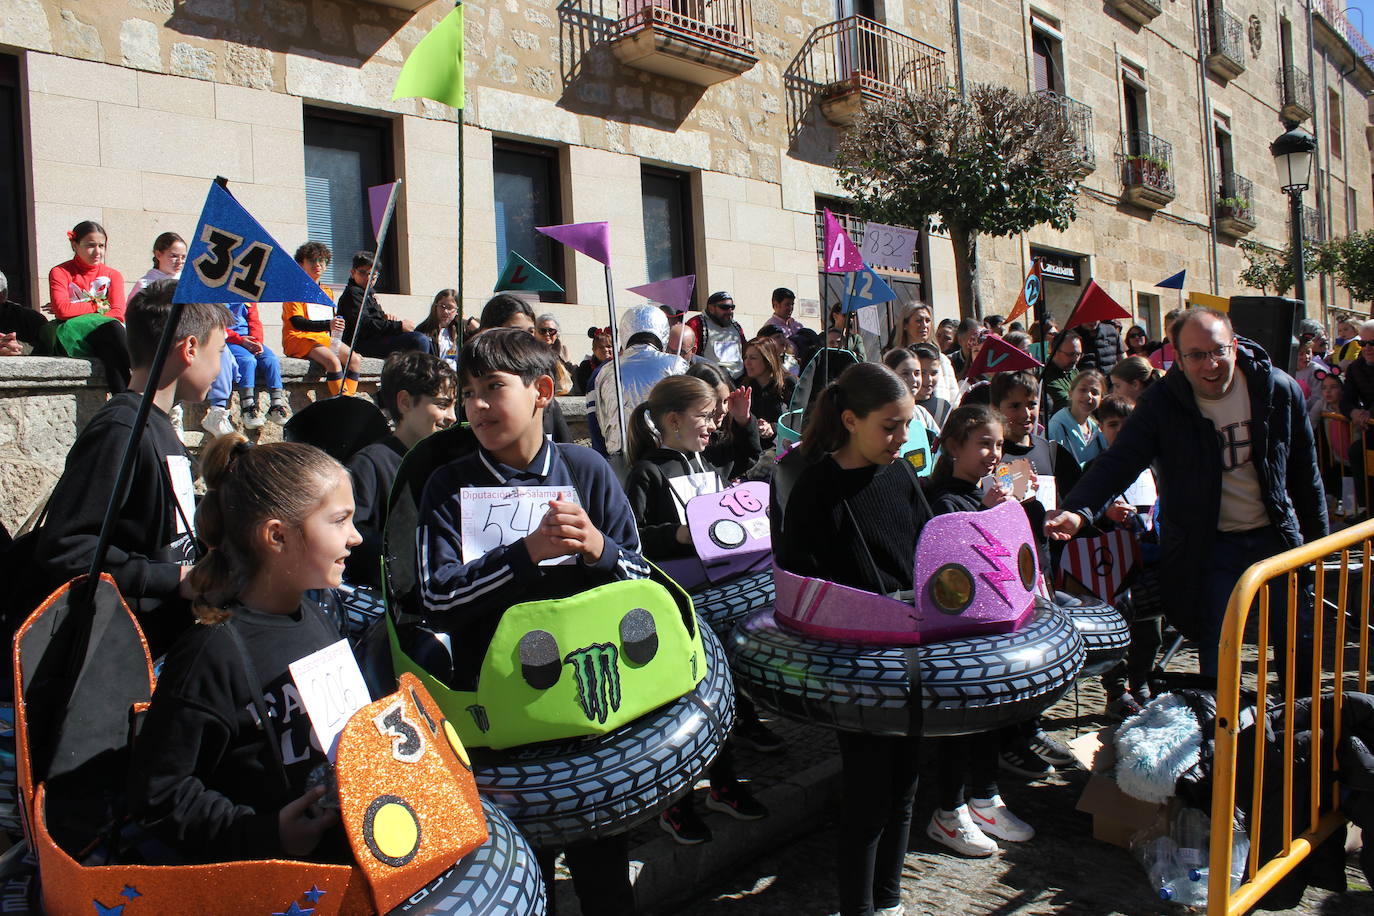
{"x":704,"y":132}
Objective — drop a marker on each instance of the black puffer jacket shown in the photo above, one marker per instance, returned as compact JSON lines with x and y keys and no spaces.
{"x":1168,"y":431}
{"x":1101,"y":346}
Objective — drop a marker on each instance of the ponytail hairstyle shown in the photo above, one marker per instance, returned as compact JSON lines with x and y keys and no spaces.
{"x":1135,"y":369}
{"x":245,"y":486}
{"x":674,"y":394}
{"x":85,"y":228}
{"x":163,"y":242}
{"x":862,"y":388}
{"x":959,"y":425}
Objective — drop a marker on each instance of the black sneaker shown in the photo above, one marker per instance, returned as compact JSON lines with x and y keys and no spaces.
{"x":682,"y":823}
{"x":737,"y":801}
{"x":1023,"y":761}
{"x":1053,"y":751}
{"x":756,"y":736}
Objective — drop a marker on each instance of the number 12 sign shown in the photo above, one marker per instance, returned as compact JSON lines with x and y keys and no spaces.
{"x":234,"y":259}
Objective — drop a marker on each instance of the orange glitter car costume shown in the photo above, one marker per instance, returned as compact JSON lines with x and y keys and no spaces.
{"x":407,"y":802}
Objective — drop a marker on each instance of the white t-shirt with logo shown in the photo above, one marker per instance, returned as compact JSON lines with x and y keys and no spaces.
{"x":1242,"y":503}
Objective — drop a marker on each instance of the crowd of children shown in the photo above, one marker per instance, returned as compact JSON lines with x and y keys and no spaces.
{"x":229,"y":590}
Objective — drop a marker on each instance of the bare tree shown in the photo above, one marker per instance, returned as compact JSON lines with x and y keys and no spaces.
{"x":997,"y":162}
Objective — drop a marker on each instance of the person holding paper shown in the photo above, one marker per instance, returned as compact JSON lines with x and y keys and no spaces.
{"x":669,"y":433}
{"x":1031,"y":751}
{"x":215,"y":775}
{"x":1227,"y":434}
{"x":1128,"y":684}
{"x":970,"y":812}
{"x":580,"y":536}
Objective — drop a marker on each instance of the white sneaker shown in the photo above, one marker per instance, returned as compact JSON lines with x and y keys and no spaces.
{"x":217,"y":422}
{"x":252,"y":420}
{"x":957,"y":830}
{"x":897,"y":910}
{"x":994,"y":818}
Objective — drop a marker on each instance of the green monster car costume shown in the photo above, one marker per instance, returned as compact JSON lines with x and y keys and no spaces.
{"x":573,"y":667}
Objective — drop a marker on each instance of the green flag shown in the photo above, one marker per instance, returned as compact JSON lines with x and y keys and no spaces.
{"x":521,"y":274}
{"x":434,"y":70}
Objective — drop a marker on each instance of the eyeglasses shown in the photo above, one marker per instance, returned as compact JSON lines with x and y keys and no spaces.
{"x":1199,"y":356}
{"x":1366,"y":343}
{"x":549,"y":332}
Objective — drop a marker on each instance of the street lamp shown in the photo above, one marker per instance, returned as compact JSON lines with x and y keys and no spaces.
{"x":1294,"y":150}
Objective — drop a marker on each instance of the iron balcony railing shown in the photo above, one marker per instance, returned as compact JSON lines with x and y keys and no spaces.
{"x":856,"y":52}
{"x":719,"y":22}
{"x":1228,"y":37}
{"x":1296,"y":89}
{"x":1236,"y":198}
{"x":1333,"y":11}
{"x":1080,"y":118}
{"x":1147,"y":161}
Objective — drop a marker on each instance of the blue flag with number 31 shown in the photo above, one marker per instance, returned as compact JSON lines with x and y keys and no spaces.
{"x":866,"y":288}
{"x":233,"y":259}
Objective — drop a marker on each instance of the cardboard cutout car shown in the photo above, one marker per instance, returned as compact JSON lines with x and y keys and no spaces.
{"x":407,"y":799}
{"x":975,"y":572}
{"x":730,"y":534}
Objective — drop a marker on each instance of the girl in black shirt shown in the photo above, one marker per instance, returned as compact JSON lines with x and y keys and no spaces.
{"x":278,"y":522}
{"x":853,"y":517}
{"x":970,"y":450}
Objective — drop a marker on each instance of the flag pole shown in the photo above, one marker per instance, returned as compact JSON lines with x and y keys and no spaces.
{"x":462,"y":311}
{"x":373,"y":270}
{"x":615,"y":363}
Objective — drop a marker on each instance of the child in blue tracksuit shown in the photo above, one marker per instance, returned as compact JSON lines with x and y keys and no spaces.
{"x":506,"y":383}
{"x":256,"y":365}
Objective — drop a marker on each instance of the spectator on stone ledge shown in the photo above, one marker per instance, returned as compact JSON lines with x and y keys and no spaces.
{"x":381,"y":333}
{"x":19,"y":324}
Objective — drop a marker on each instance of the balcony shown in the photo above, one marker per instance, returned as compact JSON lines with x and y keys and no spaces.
{"x":1226,"y":58}
{"x":1147,"y":170}
{"x":697,"y":41}
{"x":1235,"y":206}
{"x":1138,"y":11}
{"x":855,"y":61}
{"x":1080,"y":123}
{"x":1295,"y":89}
{"x":1312,"y":229}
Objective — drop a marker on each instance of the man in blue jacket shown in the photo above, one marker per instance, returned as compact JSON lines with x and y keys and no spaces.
{"x":1236,"y":465}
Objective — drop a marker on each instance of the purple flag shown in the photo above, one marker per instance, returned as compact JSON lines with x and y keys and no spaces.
{"x":675,"y":293}
{"x":377,"y":199}
{"x":841,"y":254}
{"x":592,"y":239}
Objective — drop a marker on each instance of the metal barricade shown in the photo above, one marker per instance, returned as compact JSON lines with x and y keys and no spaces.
{"x":1351,"y":545}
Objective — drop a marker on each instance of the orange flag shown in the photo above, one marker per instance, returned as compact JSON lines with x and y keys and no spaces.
{"x":1030,"y":293}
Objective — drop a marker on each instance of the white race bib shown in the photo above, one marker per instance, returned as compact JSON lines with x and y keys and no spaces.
{"x":184,"y":488}
{"x":691,"y":486}
{"x":332,"y":690}
{"x":495,"y":517}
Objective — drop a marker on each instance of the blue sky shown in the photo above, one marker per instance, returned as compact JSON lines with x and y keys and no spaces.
{"x":1361,"y":14}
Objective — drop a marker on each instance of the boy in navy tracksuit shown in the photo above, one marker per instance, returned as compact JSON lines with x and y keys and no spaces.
{"x":506,"y":382}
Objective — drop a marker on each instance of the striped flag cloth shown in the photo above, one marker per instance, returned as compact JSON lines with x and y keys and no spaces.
{"x":1101,"y":564}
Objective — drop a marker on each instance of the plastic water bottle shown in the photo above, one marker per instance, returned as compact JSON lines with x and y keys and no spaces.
{"x":1192,"y":831}
{"x":335,"y":337}
{"x":1160,"y":858}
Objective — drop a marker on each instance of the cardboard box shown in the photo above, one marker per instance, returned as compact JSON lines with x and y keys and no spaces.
{"x":1117,"y":817}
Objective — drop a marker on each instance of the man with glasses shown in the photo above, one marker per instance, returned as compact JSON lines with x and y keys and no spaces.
{"x":719,"y":337}
{"x":1227,"y":434}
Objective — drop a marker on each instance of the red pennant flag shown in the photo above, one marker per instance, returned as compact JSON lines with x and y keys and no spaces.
{"x":1095,"y":305}
{"x":1030,"y":293}
{"x":841,"y":254}
{"x":996,"y":355}
{"x":1101,"y":564}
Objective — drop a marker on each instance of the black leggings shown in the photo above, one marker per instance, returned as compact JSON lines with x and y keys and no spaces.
{"x":109,"y":344}
{"x":967,"y":760}
{"x":879,"y":785}
{"x":600,"y":874}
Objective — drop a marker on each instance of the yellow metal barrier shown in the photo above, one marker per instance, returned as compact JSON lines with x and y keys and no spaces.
{"x":1323,"y":821}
